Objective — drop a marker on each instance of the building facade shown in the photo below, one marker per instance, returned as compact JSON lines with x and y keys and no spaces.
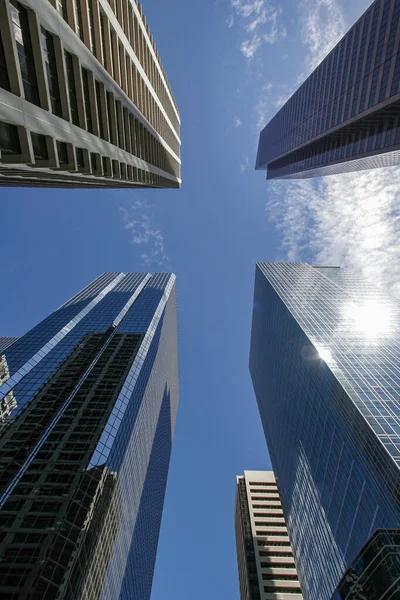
{"x":345,"y":116}
{"x":91,"y":395}
{"x":324,"y":360}
{"x":265,"y":559}
{"x":84,"y":99}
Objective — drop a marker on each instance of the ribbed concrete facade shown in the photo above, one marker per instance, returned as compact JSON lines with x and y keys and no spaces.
{"x":265,"y":559}
{"x":84,"y":100}
{"x":345,"y":116}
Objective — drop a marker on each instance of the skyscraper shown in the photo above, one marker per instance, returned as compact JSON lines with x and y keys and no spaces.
{"x":84,"y":99}
{"x":84,"y":453}
{"x":345,"y":116}
{"x":265,"y":559}
{"x":324,"y":359}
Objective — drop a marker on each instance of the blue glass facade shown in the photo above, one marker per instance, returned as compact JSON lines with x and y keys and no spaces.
{"x":325,"y":356}
{"x":345,"y":116}
{"x":89,"y":400}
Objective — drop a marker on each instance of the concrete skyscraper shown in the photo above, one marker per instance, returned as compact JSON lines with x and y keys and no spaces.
{"x":265,"y":559}
{"x":325,"y":364}
{"x":84,"y":99}
{"x":345,"y":116}
{"x":88,"y":405}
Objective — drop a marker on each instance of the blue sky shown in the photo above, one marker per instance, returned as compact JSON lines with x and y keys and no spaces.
{"x":231,"y":64}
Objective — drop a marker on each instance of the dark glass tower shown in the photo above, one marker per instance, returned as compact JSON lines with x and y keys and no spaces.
{"x":89,"y":404}
{"x":325,"y":364}
{"x":345,"y":116}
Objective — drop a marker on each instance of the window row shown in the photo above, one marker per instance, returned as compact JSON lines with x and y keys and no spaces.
{"x":66,"y":157}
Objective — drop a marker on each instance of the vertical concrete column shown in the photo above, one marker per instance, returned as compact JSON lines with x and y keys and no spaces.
{"x":125,"y":17}
{"x":71,"y":14}
{"x":10,"y":49}
{"x":62,"y":77}
{"x":85,"y":23}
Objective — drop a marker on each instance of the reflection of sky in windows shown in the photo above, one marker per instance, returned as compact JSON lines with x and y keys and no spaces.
{"x":333,"y":372}
{"x":137,"y":313}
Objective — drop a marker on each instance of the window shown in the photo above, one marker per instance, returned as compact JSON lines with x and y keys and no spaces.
{"x":51,"y":71}
{"x":91,"y":27}
{"x":39,"y":146}
{"x":78,"y":17}
{"x":93,"y":161}
{"x":69,"y":65}
{"x":79,"y":157}
{"x":100,"y":110}
{"x":85,"y":81}
{"x":62,"y":151}
{"x":9,"y":139}
{"x":4,"y":80}
{"x":62,"y":9}
{"x":19,"y":16}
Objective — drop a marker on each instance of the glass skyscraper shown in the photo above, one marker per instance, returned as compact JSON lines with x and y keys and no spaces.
{"x":345,"y":116}
{"x":88,"y":405}
{"x":325,"y":364}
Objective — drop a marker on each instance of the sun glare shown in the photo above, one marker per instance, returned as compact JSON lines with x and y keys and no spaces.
{"x":371,"y":319}
{"x":324,"y":353}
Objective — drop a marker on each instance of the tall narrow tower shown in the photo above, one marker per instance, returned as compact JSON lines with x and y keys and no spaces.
{"x":265,"y":559}
{"x":324,"y":359}
{"x":84,"y":99}
{"x":345,"y":116}
{"x":88,"y":403}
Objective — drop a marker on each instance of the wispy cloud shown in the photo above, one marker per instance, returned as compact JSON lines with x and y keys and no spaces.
{"x":351,"y":220}
{"x":322,"y":25}
{"x":236,"y":122}
{"x":244,"y":165}
{"x":259,"y":19}
{"x":136,"y":219}
{"x":230,"y":21}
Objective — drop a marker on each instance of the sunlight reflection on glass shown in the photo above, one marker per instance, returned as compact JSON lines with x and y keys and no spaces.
{"x":324,"y":353}
{"x":371,"y":319}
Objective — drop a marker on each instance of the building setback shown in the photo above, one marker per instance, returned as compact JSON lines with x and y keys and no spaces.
{"x":84,"y":99}
{"x":345,"y":116}
{"x":324,"y":360}
{"x":89,"y":401}
{"x":265,"y":559}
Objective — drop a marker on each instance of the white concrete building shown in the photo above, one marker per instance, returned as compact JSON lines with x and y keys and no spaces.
{"x":84,"y":100}
{"x":265,"y":559}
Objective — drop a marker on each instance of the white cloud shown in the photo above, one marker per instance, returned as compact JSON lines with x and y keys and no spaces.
{"x":230,"y":21}
{"x":260,"y":21}
{"x":236,"y":122}
{"x":351,"y":220}
{"x":244,"y":165}
{"x":137,"y":220}
{"x":322,"y":25}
